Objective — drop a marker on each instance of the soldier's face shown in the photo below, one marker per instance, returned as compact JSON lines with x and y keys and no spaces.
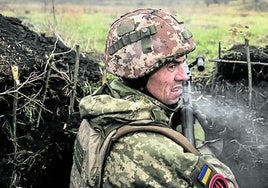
{"x":166,"y":83}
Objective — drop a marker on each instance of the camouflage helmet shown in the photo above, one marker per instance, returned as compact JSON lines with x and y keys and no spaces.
{"x":141,"y":41}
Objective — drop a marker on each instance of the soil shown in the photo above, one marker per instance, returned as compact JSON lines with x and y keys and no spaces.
{"x":36,"y":150}
{"x":36,"y":154}
{"x":238,"y":114}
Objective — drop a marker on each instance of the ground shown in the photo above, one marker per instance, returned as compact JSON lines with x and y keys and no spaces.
{"x":38,"y":121}
{"x":242,"y":126}
{"x":37,"y":118}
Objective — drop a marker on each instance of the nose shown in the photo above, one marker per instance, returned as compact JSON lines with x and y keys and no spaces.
{"x":181,"y":73}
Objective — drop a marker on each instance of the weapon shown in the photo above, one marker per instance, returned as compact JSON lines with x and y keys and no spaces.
{"x":187,"y":109}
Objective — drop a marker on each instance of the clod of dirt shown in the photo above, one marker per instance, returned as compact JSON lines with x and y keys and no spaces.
{"x":39,"y":112}
{"x":240,"y":71}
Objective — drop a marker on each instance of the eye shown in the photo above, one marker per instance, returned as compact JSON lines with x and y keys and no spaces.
{"x":171,"y":66}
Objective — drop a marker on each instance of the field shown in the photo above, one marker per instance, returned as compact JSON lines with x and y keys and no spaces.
{"x":87,"y":25}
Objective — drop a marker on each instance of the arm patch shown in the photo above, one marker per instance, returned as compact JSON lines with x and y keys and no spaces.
{"x":205,"y":176}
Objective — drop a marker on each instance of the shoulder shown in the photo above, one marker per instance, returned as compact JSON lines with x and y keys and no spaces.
{"x":153,"y":145}
{"x":151,"y":156}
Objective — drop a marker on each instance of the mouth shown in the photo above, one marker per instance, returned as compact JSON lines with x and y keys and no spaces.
{"x":177,"y":89}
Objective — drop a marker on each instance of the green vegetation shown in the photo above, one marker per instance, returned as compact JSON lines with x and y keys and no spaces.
{"x":88,"y":25}
{"x":228,"y":25}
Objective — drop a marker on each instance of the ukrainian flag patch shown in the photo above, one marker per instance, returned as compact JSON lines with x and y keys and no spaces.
{"x":204,"y":175}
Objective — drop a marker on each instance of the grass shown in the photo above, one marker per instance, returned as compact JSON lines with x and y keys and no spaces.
{"x":88,"y":25}
{"x":228,"y":25}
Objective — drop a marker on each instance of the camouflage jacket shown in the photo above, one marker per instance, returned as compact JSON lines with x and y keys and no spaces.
{"x":144,"y":159}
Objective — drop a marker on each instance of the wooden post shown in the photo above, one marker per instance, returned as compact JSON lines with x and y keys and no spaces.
{"x":15,"y":74}
{"x":219,"y":50}
{"x":104,"y":76}
{"x":216,"y":67}
{"x":75,"y":80}
{"x":249,"y":73}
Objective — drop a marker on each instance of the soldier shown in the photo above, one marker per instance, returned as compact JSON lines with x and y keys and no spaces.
{"x":126,"y":138}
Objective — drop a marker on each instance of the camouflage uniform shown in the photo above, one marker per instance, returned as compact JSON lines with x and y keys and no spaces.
{"x":137,"y":44}
{"x":143,"y":159}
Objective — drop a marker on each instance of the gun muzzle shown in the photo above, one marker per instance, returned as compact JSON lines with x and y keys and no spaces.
{"x":200,"y":63}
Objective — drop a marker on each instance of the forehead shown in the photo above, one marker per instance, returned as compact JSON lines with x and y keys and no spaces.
{"x":178,"y":60}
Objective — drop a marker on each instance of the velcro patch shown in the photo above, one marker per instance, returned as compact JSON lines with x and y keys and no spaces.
{"x":126,"y":27}
{"x":204,"y":175}
{"x":187,"y":34}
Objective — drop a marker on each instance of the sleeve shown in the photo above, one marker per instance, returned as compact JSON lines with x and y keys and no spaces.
{"x":146,"y":159}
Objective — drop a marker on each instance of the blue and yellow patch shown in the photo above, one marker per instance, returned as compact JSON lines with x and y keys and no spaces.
{"x":204,"y":175}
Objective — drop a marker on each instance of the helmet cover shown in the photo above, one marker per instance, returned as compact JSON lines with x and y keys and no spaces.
{"x":141,"y":41}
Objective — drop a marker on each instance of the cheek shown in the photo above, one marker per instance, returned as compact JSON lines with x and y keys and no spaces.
{"x":152,"y":84}
{"x":160,"y":80}
{"x":158,"y":86}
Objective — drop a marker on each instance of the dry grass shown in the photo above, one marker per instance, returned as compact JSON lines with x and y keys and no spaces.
{"x":87,"y":25}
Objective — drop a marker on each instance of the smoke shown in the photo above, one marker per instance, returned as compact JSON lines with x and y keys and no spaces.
{"x":245,"y":137}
